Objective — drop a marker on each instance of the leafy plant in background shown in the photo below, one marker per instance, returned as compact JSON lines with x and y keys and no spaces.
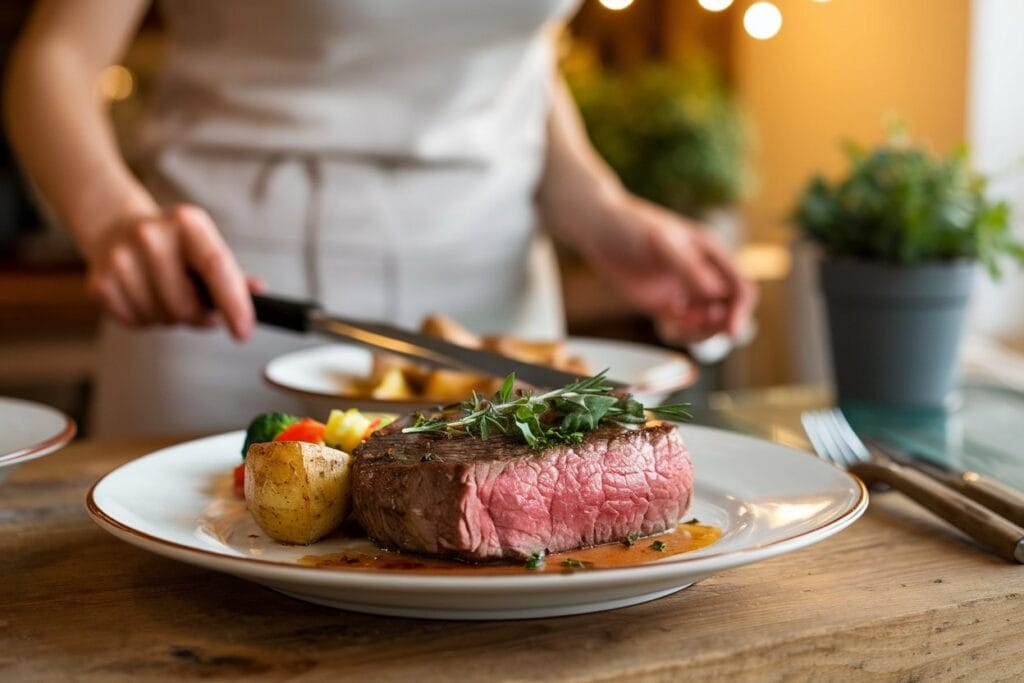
{"x":900,"y":204}
{"x":673,"y":133}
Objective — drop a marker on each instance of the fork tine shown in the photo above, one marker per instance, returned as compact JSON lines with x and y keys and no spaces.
{"x":846,"y":433}
{"x":842,"y":454}
{"x":822,"y":430}
{"x":810,"y":428}
{"x":824,"y":443}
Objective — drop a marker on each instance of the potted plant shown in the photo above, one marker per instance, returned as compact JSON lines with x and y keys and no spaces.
{"x":901,"y":236}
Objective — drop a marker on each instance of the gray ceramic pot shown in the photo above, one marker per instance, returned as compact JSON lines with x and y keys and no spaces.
{"x":895,"y":330}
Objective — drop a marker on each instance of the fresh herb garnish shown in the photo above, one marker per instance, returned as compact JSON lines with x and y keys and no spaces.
{"x":430,"y":457}
{"x":535,"y":561}
{"x":658,"y":545}
{"x":559,"y":416}
{"x":630,"y":539}
{"x":572,"y":563}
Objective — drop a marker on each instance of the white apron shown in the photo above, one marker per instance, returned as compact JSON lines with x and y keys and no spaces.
{"x":379,"y":157}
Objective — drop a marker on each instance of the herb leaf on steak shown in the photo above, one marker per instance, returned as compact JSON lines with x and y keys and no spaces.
{"x":559,"y":416}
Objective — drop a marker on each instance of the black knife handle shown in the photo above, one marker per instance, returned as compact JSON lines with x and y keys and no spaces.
{"x":287,"y":314}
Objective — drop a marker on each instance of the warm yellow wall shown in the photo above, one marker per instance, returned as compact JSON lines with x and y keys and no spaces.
{"x":838,"y":69}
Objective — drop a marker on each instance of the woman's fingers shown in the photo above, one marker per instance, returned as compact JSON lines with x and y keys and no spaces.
{"x":743,"y":292}
{"x":127,"y":267}
{"x":160,"y":245}
{"x":206,"y":252}
{"x":681,"y":250}
{"x":104,"y":286}
{"x":142,"y":275}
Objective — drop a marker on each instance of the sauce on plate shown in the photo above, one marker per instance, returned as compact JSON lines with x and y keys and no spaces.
{"x":685,"y":538}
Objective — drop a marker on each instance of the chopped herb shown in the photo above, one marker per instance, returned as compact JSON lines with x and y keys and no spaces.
{"x":630,"y":539}
{"x":559,"y":416}
{"x":572,"y":563}
{"x":692,"y":521}
{"x":430,"y":457}
{"x":658,"y":545}
{"x":535,"y":561}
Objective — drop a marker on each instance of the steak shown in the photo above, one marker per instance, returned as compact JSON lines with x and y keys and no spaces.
{"x":490,"y":499}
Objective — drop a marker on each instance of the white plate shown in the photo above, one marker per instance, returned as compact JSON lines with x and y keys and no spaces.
{"x":767,"y":499}
{"x":323,"y":375}
{"x":30,"y":430}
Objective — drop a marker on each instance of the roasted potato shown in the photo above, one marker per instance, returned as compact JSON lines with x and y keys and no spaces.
{"x":393,"y":386}
{"x":297,"y":492}
{"x":443,"y":327}
{"x":449,"y":386}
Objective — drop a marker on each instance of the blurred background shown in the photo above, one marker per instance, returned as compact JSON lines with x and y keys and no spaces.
{"x":721,"y":109}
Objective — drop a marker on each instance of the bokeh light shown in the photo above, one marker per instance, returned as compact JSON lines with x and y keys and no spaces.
{"x":116,"y":83}
{"x":714,"y":5}
{"x":762,"y":20}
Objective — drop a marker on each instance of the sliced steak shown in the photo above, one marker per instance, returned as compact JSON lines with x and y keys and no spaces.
{"x":484,"y":500}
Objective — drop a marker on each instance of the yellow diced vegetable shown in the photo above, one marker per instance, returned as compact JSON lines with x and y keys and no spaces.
{"x":346,"y":429}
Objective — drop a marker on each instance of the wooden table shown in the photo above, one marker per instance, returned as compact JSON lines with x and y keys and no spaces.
{"x":898,"y":596}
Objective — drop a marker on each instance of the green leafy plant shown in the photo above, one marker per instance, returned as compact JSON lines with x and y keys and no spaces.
{"x":554,"y":417}
{"x":901,"y":204}
{"x":673,"y":133}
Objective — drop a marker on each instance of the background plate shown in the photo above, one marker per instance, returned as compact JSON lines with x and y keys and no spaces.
{"x":30,"y":430}
{"x":323,"y":375}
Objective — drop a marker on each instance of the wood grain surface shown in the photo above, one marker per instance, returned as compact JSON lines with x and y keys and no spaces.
{"x":899,"y":596}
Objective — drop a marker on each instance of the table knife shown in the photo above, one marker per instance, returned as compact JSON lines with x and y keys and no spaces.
{"x":997,"y":497}
{"x":309,"y":317}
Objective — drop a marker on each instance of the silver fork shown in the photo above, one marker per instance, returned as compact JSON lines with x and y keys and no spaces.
{"x":834,"y":440}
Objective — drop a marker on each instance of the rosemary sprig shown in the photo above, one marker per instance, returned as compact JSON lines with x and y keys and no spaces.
{"x":559,"y":416}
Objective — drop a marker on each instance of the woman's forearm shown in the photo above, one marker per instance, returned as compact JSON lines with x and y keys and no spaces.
{"x":57,"y":123}
{"x":577,"y":184}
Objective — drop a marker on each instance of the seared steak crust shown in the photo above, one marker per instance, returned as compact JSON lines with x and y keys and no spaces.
{"x":484,"y":500}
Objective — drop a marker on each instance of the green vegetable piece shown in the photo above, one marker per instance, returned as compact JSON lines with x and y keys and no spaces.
{"x":265,"y":427}
{"x":535,"y":561}
{"x":573,"y":563}
{"x":658,"y":545}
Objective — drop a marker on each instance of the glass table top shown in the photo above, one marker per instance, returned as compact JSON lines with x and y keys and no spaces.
{"x":984,"y":432}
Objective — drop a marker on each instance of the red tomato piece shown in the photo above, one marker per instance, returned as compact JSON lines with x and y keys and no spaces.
{"x":374,"y":423}
{"x":240,"y":481}
{"x":306,"y":429}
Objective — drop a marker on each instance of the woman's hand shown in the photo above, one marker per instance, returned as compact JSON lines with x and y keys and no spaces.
{"x":668,"y":266}
{"x":61,"y":131}
{"x":140,"y":272}
{"x":664,"y":263}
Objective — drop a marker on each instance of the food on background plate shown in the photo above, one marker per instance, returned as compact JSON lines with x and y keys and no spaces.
{"x":395,"y":378}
